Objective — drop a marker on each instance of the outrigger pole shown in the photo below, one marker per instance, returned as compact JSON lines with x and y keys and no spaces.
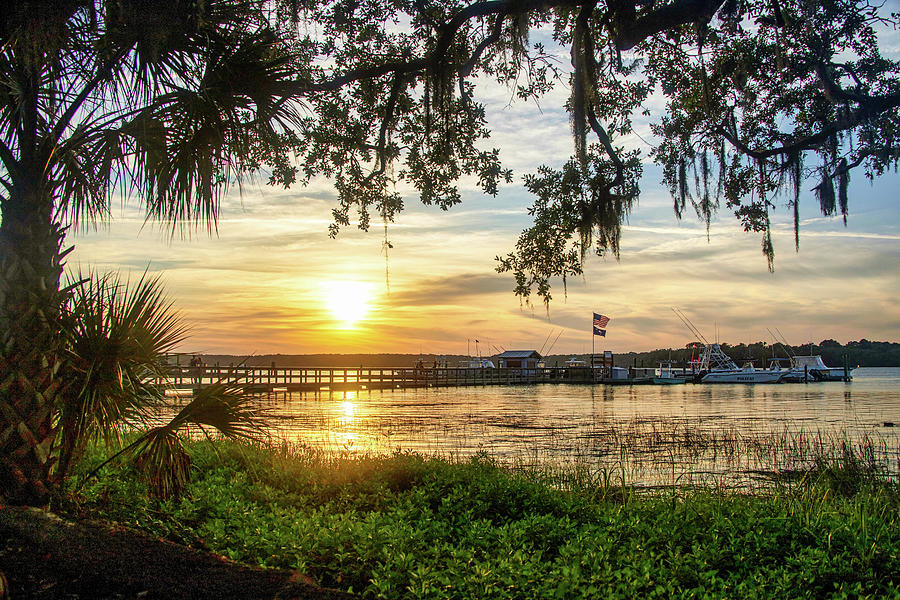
{"x":691,"y":327}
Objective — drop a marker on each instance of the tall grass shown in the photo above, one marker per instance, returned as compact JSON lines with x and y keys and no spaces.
{"x":647,"y":452}
{"x":408,"y":526}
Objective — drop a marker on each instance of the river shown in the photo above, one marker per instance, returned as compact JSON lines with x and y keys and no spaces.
{"x":643,"y":435}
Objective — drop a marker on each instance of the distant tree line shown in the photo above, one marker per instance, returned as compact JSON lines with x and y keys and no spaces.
{"x":863,"y":353}
{"x":327,"y":360}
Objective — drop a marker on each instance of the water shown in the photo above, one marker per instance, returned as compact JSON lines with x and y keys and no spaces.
{"x":647,"y":435}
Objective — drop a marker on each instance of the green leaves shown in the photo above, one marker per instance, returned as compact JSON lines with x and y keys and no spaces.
{"x":478,"y":530}
{"x":175,"y":102}
{"x":160,"y":452}
{"x":118,"y":337}
{"x":578,"y":208}
{"x":782,"y":92}
{"x":168,"y":101}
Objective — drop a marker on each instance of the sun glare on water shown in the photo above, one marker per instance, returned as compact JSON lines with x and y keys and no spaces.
{"x":348,"y":301}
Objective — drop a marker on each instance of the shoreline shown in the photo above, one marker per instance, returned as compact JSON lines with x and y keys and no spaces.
{"x":408,"y":526}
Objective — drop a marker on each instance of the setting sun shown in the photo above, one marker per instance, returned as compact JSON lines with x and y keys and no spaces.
{"x":348,"y":301}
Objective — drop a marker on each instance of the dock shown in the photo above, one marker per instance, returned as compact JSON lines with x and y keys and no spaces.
{"x":255,"y":379}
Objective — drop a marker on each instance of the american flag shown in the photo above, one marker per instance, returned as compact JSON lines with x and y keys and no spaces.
{"x":600,"y":321}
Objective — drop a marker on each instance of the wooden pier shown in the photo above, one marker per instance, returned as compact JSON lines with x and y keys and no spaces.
{"x":306,"y":379}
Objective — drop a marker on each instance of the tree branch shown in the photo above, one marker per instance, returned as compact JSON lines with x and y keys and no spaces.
{"x":445,"y":37}
{"x":835,"y":93}
{"x":396,"y":87}
{"x":870,"y":107}
{"x":492,"y":38}
{"x":631,"y":30}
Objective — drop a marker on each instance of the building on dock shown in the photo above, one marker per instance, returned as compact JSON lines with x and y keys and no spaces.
{"x":519,"y":359}
{"x":602,"y":363}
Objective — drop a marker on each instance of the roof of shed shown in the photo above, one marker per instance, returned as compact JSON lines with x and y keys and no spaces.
{"x":520,"y":354}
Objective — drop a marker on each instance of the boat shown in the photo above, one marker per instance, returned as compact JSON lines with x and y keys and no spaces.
{"x":666,"y":375}
{"x":790,"y":374}
{"x":477,"y":363}
{"x":813,"y":368}
{"x":717,"y":367}
{"x":810,"y":368}
{"x":805,"y":368}
{"x":576,"y":363}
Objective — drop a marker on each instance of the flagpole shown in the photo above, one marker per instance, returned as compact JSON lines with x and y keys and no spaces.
{"x":592,"y":346}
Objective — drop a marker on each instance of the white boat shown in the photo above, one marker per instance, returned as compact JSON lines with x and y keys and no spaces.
{"x":810,"y":368}
{"x":717,"y":367}
{"x":666,"y":374}
{"x":790,"y":375}
{"x":813,"y":368}
{"x":477,"y":363}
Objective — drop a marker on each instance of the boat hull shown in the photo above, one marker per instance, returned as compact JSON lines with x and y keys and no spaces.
{"x":743,"y":376}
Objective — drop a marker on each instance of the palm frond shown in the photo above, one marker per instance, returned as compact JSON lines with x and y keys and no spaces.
{"x":225,"y":407}
{"x":118,"y":336}
{"x":160,"y":455}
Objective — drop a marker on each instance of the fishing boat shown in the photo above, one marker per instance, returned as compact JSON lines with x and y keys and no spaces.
{"x":813,"y":368}
{"x":717,"y":367}
{"x":666,"y":375}
{"x":791,"y":375}
{"x":808,"y":368}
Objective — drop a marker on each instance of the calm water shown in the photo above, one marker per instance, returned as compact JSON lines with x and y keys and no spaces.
{"x":646,"y":434}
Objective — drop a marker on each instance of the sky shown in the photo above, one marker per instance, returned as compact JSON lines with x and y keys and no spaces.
{"x":272,"y":281}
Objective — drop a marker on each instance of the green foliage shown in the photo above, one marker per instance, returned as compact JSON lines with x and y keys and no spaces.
{"x":379,"y":92}
{"x":410,"y":527}
{"x":117,"y":339}
{"x":578,"y":208}
{"x":118,"y":335}
{"x":778,"y":92}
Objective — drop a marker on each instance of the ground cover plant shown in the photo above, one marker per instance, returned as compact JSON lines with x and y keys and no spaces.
{"x":407,"y":526}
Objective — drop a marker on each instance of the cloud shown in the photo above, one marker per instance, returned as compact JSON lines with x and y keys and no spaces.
{"x":450,"y":291}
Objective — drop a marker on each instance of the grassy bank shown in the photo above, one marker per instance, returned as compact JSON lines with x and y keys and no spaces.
{"x":404,"y":526}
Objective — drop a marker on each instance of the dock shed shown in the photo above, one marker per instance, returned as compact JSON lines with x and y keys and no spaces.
{"x":519,"y":359}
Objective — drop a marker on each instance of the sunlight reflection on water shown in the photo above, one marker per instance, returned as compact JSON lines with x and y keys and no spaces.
{"x":649,"y":434}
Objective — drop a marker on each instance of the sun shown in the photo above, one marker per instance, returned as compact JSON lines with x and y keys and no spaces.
{"x":348,"y":301}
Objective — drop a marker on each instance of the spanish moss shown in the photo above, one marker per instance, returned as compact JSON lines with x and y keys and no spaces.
{"x":683,"y":194}
{"x":825,"y":194}
{"x":843,"y":182}
{"x":578,"y":100}
{"x":795,"y":172}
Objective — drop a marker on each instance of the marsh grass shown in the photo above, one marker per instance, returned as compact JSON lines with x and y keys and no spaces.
{"x":671,"y":452}
{"x":648,"y":451}
{"x":404,"y":525}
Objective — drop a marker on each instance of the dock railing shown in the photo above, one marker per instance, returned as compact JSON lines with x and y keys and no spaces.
{"x":256,"y":378}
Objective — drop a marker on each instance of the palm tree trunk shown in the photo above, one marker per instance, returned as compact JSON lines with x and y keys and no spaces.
{"x":30,"y":346}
